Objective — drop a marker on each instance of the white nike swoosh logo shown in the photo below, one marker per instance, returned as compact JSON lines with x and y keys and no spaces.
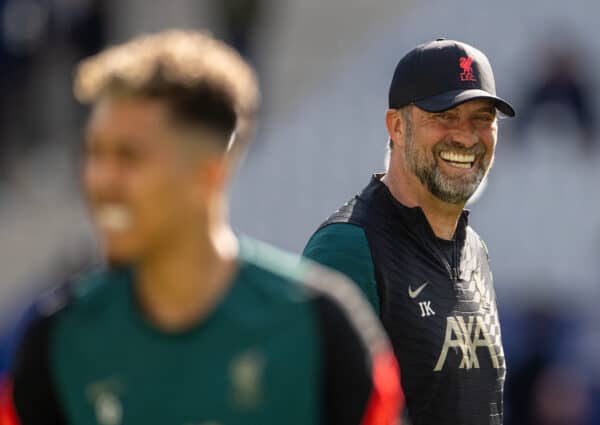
{"x":416,"y":292}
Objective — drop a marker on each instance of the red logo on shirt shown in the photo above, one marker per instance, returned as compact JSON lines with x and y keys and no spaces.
{"x":467,"y":70}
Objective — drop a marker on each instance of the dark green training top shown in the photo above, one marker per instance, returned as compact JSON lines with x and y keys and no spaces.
{"x":290,"y":343}
{"x":435,"y":299}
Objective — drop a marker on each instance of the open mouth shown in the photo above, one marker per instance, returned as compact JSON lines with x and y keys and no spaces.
{"x":458,"y":160}
{"x":113,"y":217}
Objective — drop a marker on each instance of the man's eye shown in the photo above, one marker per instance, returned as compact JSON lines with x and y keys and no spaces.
{"x":129,"y":155}
{"x":445,"y":116}
{"x":91,"y":152}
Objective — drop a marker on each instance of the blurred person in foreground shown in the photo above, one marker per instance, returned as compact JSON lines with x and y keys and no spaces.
{"x":188,"y":324}
{"x":406,"y":241}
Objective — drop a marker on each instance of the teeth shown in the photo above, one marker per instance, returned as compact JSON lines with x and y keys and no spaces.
{"x":114,"y":217}
{"x":457,"y":157}
{"x":461,"y":165}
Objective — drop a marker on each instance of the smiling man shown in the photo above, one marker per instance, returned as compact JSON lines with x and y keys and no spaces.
{"x":406,"y":241}
{"x":188,"y":324}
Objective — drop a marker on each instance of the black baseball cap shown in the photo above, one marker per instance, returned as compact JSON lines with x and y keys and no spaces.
{"x":442,"y":74}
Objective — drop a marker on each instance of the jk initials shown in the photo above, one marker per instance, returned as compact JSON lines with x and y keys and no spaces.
{"x":426,"y":309}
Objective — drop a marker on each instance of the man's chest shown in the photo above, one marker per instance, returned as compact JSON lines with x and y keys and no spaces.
{"x":438,"y":324}
{"x":219,"y":377}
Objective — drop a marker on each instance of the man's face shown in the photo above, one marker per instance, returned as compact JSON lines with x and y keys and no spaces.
{"x":141,"y":188}
{"x":451,"y":151}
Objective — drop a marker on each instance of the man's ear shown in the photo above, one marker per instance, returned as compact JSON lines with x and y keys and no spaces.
{"x":210,"y":177}
{"x":395,"y":126}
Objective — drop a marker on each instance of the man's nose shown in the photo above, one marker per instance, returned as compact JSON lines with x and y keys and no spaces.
{"x":102,"y":176}
{"x":464,"y":133}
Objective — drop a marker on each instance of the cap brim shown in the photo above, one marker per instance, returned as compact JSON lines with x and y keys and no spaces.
{"x":445,"y":101}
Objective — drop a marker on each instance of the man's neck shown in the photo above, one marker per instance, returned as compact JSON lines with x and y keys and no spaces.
{"x":180,"y":286}
{"x":409,"y":191}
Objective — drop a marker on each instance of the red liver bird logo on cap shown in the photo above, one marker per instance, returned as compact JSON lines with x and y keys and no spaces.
{"x":465,"y":64}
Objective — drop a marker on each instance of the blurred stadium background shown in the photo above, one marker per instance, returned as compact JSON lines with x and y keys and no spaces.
{"x":325,"y":66}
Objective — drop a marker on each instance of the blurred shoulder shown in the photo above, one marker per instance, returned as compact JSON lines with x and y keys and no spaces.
{"x":272,"y":267}
{"x":301,"y":279}
{"x":87,"y":291}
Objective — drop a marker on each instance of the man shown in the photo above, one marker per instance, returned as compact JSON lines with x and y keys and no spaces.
{"x":188,"y":326}
{"x":406,"y":242}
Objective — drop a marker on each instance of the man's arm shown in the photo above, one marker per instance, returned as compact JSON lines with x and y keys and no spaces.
{"x":360,"y":375}
{"x":27,"y":395}
{"x":344,"y":247}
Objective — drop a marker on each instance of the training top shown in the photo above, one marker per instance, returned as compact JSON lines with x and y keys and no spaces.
{"x":435,"y":299}
{"x":290,"y":343}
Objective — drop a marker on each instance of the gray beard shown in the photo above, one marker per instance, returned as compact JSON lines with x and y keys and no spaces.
{"x":450,"y":190}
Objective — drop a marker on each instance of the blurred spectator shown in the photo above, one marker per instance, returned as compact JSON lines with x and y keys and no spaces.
{"x":240,"y":19}
{"x":540,"y":390}
{"x":561,"y":397}
{"x":37,"y":38}
{"x":561,"y":97}
{"x":22,"y":30}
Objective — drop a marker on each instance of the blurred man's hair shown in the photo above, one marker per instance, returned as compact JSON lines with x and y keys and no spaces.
{"x":205,"y":82}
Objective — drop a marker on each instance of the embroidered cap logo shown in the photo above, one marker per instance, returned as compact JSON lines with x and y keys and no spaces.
{"x":467,"y":70}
